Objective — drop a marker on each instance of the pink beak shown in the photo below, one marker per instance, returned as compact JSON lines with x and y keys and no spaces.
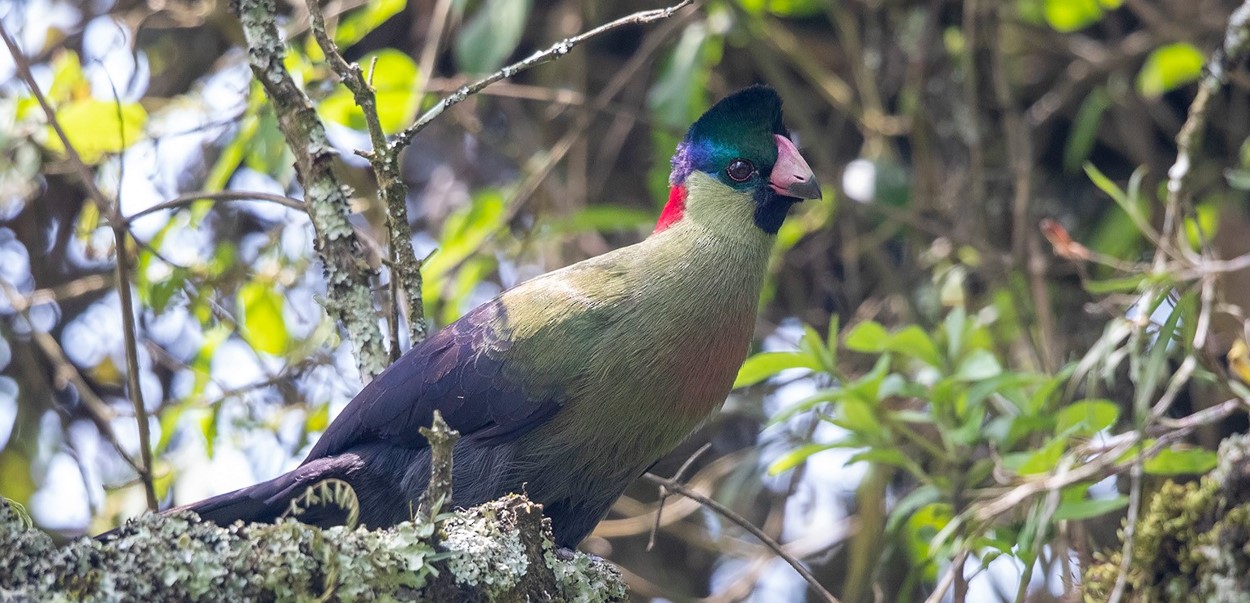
{"x":792,"y":177}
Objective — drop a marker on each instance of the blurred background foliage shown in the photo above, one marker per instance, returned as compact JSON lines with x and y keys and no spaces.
{"x":926,"y":352}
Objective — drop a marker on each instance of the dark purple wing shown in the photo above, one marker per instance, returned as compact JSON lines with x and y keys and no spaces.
{"x":457,"y":371}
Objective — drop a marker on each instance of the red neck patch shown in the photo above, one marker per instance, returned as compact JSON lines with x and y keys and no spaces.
{"x":674,"y":209}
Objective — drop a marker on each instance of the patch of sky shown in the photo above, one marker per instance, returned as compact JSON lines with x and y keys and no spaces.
{"x":114,"y":70}
{"x":8,"y":407}
{"x":61,"y":504}
{"x":32,"y":23}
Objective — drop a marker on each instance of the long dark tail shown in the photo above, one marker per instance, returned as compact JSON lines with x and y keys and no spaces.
{"x":267,"y":501}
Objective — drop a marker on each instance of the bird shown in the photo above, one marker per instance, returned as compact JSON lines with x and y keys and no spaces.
{"x":569,"y":386}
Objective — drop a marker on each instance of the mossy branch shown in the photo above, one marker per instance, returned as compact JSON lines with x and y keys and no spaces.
{"x":500,"y":551}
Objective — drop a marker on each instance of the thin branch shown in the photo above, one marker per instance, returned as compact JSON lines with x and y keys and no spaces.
{"x":405,"y":267}
{"x":189,"y":198}
{"x":100,"y":413}
{"x":729,"y":514}
{"x":556,"y":51}
{"x":1228,"y":56}
{"x":75,"y":160}
{"x":665,"y":492}
{"x":110,"y":211}
{"x":120,"y":236}
{"x":349,"y":300}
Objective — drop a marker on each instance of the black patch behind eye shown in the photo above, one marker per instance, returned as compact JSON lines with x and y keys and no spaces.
{"x":770,"y":209}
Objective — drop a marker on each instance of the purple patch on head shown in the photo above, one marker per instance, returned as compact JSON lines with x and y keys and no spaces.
{"x":683,"y":163}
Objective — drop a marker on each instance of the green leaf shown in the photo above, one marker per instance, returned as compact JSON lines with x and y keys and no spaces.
{"x":1169,"y":67}
{"x":915,"y":499}
{"x":96,"y":128}
{"x":886,"y":456}
{"x":813,"y":345}
{"x":978,"y":365}
{"x":796,"y":457}
{"x":954,"y":323}
{"x":680,"y":91}
{"x":1088,"y":508}
{"x":262,"y":324}
{"x":600,"y":218}
{"x":1071,"y":15}
{"x":1126,"y":284}
{"x":1238,"y":178}
{"x":868,"y":336}
{"x":1040,"y":461}
{"x":914,"y":342}
{"x":784,"y":8}
{"x":767,"y":364}
{"x":491,"y":35}
{"x":857,"y":416}
{"x":1084,"y":130}
{"x":394,"y":80}
{"x":1181,"y":461}
{"x":920,"y":530}
{"x":1087,"y":417}
{"x":358,"y":23}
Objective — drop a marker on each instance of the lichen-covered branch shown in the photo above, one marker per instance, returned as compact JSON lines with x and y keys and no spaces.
{"x":405,"y":267}
{"x":500,"y":551}
{"x":442,"y":439}
{"x":1191,"y":543}
{"x":348,"y":298}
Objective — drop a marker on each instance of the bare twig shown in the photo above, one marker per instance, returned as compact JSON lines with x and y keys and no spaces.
{"x":665,"y":493}
{"x":189,"y":198}
{"x":956,"y":569}
{"x":741,"y":522}
{"x":97,"y":409}
{"x":556,"y":51}
{"x":1230,"y":54}
{"x":110,"y":212}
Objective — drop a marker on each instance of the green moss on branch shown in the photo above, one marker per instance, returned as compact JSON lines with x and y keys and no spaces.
{"x":500,"y":551}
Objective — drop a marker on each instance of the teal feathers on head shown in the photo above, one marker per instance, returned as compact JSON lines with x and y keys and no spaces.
{"x":740,"y":126}
{"x":742,"y":143}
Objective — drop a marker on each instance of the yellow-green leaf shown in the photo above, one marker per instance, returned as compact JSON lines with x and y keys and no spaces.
{"x":1168,"y":68}
{"x":96,"y":128}
{"x":261,"y":323}
{"x":357,"y":24}
{"x":1071,"y":15}
{"x":766,"y":364}
{"x":867,"y":336}
{"x":1181,"y":461}
{"x":394,"y":78}
{"x":1087,"y":417}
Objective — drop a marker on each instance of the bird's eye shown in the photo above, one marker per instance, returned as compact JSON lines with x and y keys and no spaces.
{"x":740,"y":170}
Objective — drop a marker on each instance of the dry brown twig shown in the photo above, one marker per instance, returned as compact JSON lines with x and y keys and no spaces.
{"x":740,"y":521}
{"x":118,"y":225}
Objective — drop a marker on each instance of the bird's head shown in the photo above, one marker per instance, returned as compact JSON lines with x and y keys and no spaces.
{"x":737,"y":165}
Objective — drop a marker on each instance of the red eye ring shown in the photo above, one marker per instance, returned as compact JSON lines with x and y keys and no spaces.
{"x":740,"y":170}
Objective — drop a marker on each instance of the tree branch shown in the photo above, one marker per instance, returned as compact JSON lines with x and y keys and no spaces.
{"x":111,"y":213}
{"x":556,"y":51}
{"x":349,"y":300}
{"x":405,"y":267}
{"x":741,"y":521}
